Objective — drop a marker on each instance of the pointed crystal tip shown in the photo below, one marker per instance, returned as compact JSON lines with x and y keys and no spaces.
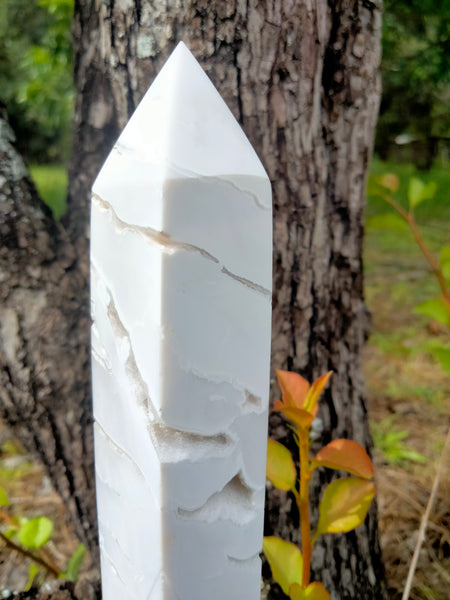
{"x":183,"y":123}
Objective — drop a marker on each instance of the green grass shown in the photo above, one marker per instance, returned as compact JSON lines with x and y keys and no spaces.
{"x":388,"y":439}
{"x":51,"y":182}
{"x":402,"y":366}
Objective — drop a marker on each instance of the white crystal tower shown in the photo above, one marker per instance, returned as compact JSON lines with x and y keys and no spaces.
{"x":181,"y":256}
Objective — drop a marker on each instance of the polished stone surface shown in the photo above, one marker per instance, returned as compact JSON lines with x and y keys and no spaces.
{"x":181,"y":257}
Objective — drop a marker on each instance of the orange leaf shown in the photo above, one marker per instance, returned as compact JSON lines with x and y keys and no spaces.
{"x":285,"y":560}
{"x":346,"y":455}
{"x":298,"y":416}
{"x":389,"y":181}
{"x":280,"y":469}
{"x":294,"y":388}
{"x":314,"y":591}
{"x":315,"y":390}
{"x":344,"y":505}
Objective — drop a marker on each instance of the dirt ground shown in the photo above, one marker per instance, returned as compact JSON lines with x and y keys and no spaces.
{"x":403,"y":490}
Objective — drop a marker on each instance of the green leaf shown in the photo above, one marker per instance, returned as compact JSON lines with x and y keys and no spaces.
{"x":388,"y":439}
{"x":10,"y":533}
{"x":415,"y":189}
{"x":430,"y":191}
{"x":445,"y":254}
{"x":345,"y":455}
{"x":443,"y":356}
{"x":344,"y":505}
{"x":445,"y":262}
{"x":436,"y":309}
{"x":418,"y":191}
{"x":285,"y":560}
{"x":409,"y":454}
{"x":280,"y":470}
{"x":73,"y":566}
{"x":314,"y":591}
{"x":35,"y":533}
{"x":387,"y":221}
{"x":3,"y":498}
{"x":32,"y":572}
{"x":446,"y":271}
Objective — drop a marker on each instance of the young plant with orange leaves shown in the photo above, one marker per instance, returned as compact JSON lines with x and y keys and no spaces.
{"x":345,"y":502}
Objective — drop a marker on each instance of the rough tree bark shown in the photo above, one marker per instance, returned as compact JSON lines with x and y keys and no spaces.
{"x":44,"y":361}
{"x":302,"y":79}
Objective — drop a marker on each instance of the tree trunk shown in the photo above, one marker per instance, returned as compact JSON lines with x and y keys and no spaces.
{"x":302,"y":79}
{"x":44,"y":360}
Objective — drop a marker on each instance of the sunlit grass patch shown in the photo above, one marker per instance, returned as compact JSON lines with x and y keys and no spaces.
{"x":51,"y":182}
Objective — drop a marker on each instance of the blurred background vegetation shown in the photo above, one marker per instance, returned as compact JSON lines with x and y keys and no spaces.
{"x":414,"y":124}
{"x":414,"y":121}
{"x":36,"y":76}
{"x":36,"y":86}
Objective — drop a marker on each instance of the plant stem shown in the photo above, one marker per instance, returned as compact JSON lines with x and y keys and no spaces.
{"x":37,"y":559}
{"x":303,"y":506}
{"x":48,"y":558}
{"x":429,"y":256}
{"x":8,"y":519}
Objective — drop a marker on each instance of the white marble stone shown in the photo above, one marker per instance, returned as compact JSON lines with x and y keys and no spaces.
{"x":181,"y":269}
